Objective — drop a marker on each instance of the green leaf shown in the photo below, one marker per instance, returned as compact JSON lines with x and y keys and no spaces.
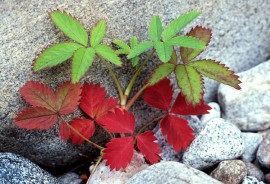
{"x":173,"y":58}
{"x":216,"y":71}
{"x":187,"y":54}
{"x":160,"y":72}
{"x":164,"y":50}
{"x":70,"y":26}
{"x":190,"y":82}
{"x":155,"y":28}
{"x":176,"y":25}
{"x":55,"y":55}
{"x":187,"y":41}
{"x":82,"y":60}
{"x":108,"y":53}
{"x":133,"y":42}
{"x":135,"y":61}
{"x":97,"y":33}
{"x":122,"y":45}
{"x":140,"y":48}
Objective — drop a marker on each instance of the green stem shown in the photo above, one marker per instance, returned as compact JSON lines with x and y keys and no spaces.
{"x":94,"y":169}
{"x":131,"y":83}
{"x":120,"y":91}
{"x":78,"y":133}
{"x":149,"y":123}
{"x":134,"y":98}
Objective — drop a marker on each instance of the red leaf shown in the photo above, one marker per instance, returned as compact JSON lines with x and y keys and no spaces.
{"x":119,"y":121}
{"x":93,"y":101}
{"x":68,"y":96}
{"x":148,"y":147}
{"x":64,"y":131}
{"x":36,"y":118}
{"x":119,"y":152}
{"x":159,"y":95}
{"x":180,"y":106}
{"x":177,"y":130}
{"x":39,"y":95}
{"x":85,"y":127}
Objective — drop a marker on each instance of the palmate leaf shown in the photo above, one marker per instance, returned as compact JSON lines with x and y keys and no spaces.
{"x":119,"y":152}
{"x":108,"y":53}
{"x":173,"y":59}
{"x":187,"y":41}
{"x":155,"y":28}
{"x":70,"y":26}
{"x":187,"y":54}
{"x":124,"y":48}
{"x":176,"y":25}
{"x":47,"y":106}
{"x":82,"y":60}
{"x":160,"y":72}
{"x":177,"y":130}
{"x":55,"y":55}
{"x":164,"y":50}
{"x":190,"y":82}
{"x":216,"y":71}
{"x":98,"y":32}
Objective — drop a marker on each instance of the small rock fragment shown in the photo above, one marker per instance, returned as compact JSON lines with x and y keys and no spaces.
{"x":252,"y":141}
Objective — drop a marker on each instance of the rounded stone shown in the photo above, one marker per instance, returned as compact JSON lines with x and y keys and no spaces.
{"x":252,"y":142}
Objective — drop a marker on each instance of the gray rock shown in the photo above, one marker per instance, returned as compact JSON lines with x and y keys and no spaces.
{"x":251,"y":180}
{"x":26,"y":29}
{"x":252,"y":141}
{"x":213,"y":113}
{"x":230,"y":171}
{"x":69,"y":178}
{"x":103,"y":174}
{"x":15,"y":169}
{"x":263,"y":155}
{"x":218,"y":141}
{"x":254,"y":171}
{"x":171,"y":172}
{"x":248,"y":108}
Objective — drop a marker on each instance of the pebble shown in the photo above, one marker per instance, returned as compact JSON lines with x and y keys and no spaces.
{"x":15,"y":169}
{"x":213,"y":113}
{"x":263,"y":155}
{"x":170,"y":172}
{"x":252,"y":142}
{"x":248,"y":108}
{"x":254,"y":171}
{"x":69,"y":178}
{"x":251,"y":180}
{"x":230,"y":171}
{"x":218,"y":141}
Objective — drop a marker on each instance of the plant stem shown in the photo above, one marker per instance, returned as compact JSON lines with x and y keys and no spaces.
{"x":120,"y":91}
{"x":94,"y":169}
{"x":131,"y":83}
{"x":149,"y":123}
{"x":78,"y":133}
{"x":134,"y":98}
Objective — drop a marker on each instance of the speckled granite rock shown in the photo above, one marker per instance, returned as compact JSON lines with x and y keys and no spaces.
{"x":26,"y":29}
{"x":218,"y":141}
{"x":171,"y":173}
{"x":248,"y":108}
{"x":252,"y":141}
{"x":69,"y":178}
{"x":103,"y":175}
{"x":251,"y":180}
{"x":230,"y":171}
{"x":15,"y":169}
{"x":213,"y":113}
{"x":254,"y":171}
{"x":263,"y":155}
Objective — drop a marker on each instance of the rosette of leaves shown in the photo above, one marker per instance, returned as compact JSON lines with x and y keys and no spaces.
{"x":83,"y":49}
